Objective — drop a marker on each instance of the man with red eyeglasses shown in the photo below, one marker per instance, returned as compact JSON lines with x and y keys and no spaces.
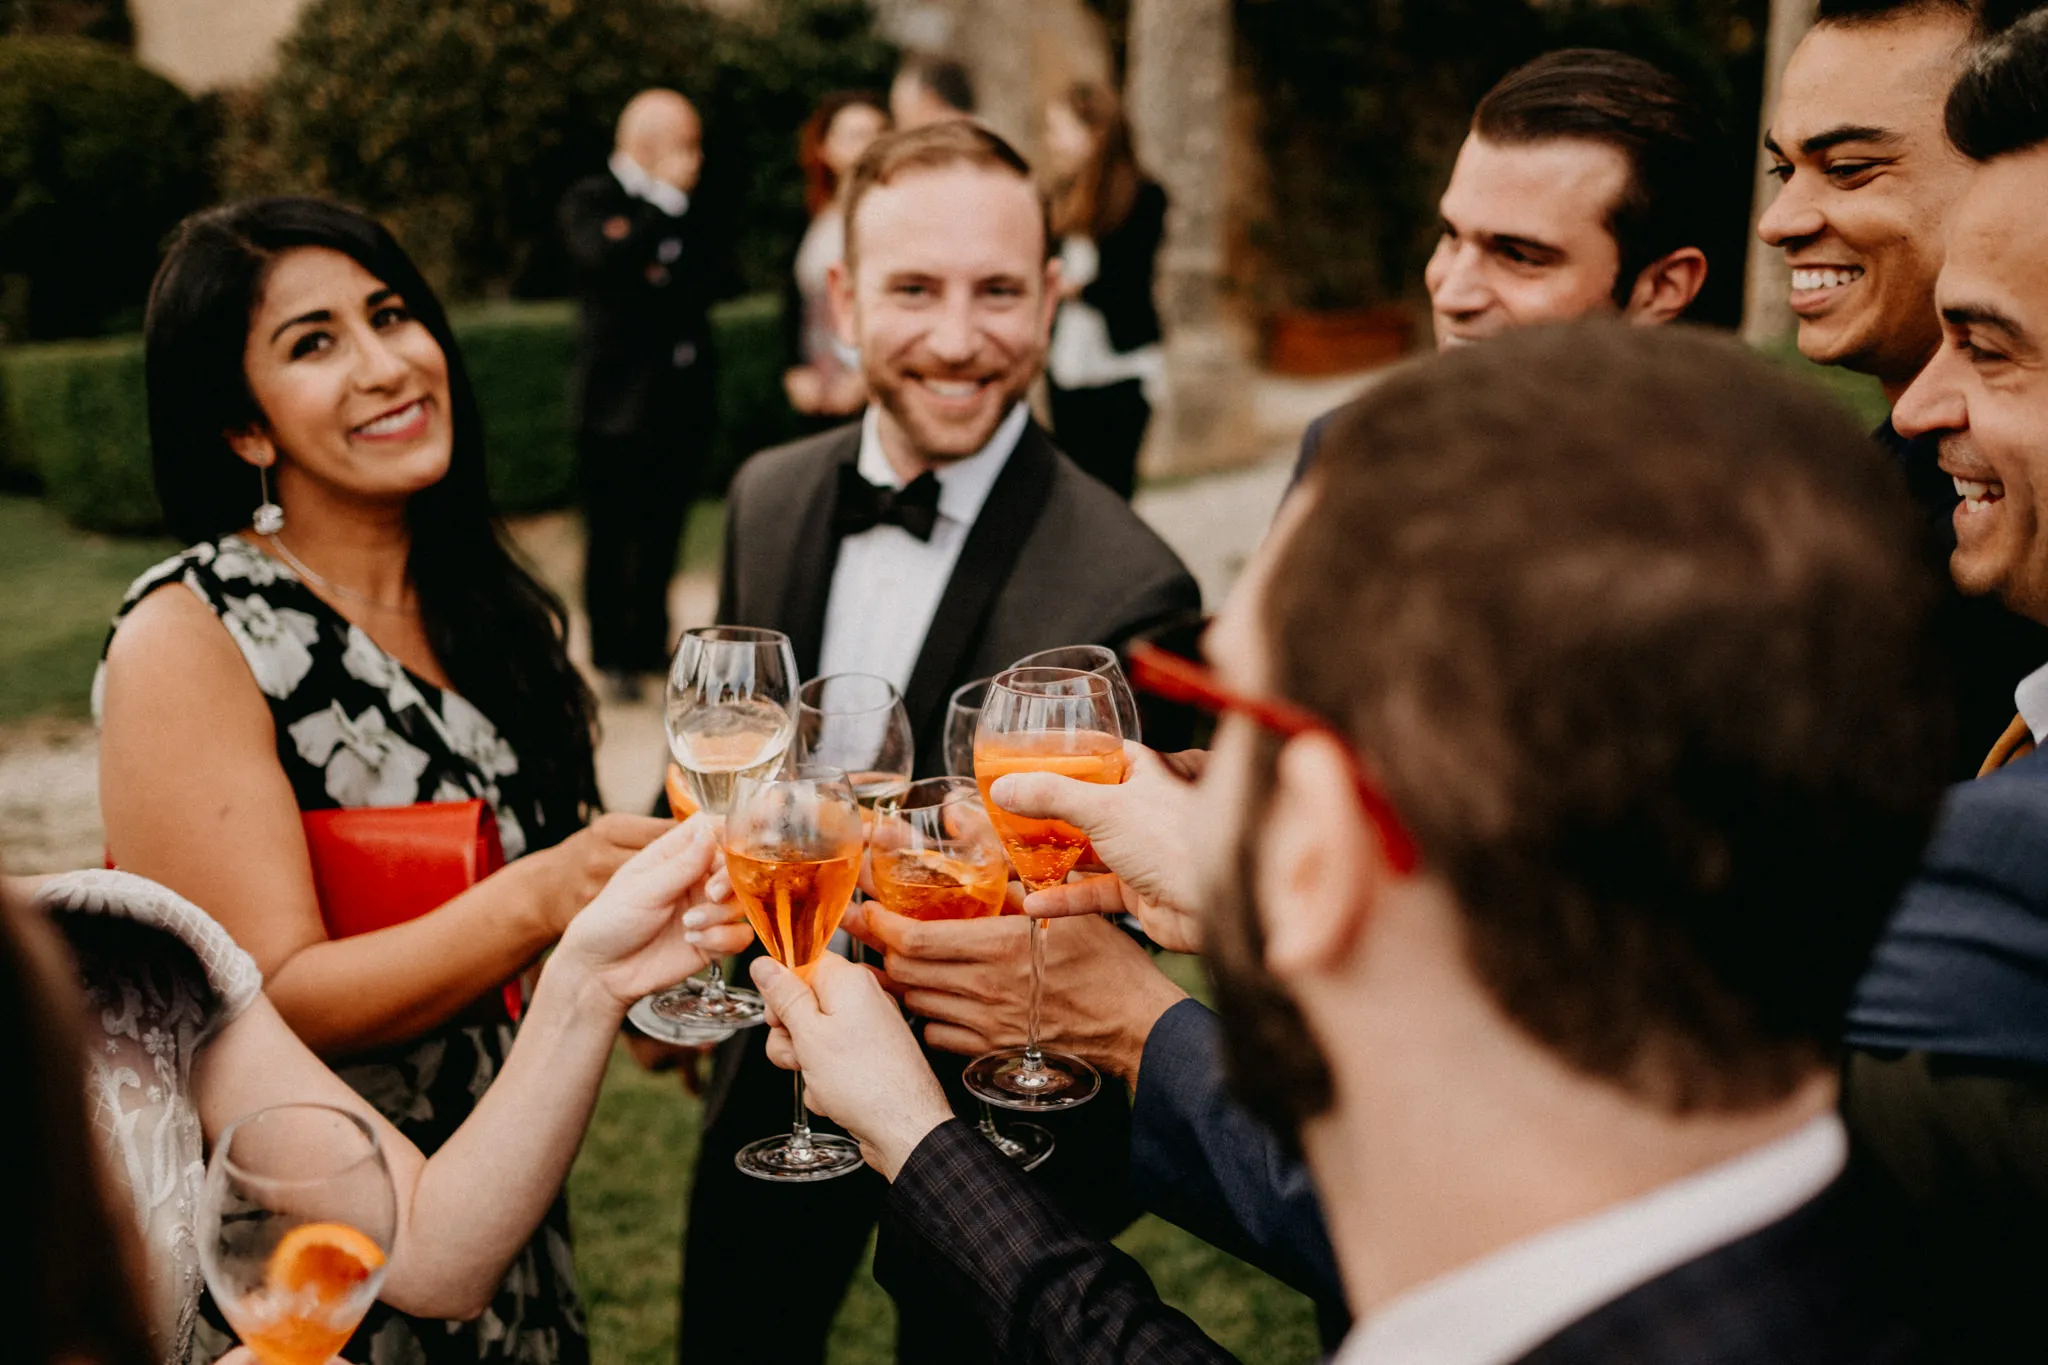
{"x":1537,"y":858}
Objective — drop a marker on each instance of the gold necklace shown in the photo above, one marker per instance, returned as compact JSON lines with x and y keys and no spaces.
{"x":350,"y":593}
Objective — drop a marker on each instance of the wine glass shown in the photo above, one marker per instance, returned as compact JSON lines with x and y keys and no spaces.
{"x":793,"y":846}
{"x":295,"y":1228}
{"x":1102,"y":661}
{"x":936,"y":856}
{"x":856,"y":721}
{"x":1057,"y":720}
{"x":963,"y":714}
{"x":730,"y":690}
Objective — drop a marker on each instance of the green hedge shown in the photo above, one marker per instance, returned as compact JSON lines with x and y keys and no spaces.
{"x":72,"y":414}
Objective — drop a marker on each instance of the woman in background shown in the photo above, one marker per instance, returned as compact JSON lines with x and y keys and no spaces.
{"x":825,"y":383}
{"x":1105,"y":363}
{"x":348,"y":629}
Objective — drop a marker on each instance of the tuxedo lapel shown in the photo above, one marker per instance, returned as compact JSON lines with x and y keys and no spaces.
{"x":994,"y":542}
{"x":809,"y":585}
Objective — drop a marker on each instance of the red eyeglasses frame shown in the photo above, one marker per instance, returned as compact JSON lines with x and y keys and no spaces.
{"x":1170,"y":677}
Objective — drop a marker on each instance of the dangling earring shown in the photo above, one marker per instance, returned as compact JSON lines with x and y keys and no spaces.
{"x":269,"y":518}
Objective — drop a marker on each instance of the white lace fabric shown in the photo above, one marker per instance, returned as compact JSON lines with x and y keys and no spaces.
{"x":160,"y":978}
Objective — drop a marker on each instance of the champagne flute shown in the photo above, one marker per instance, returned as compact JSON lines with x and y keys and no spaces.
{"x":963,"y":714}
{"x":730,"y":690}
{"x":295,"y":1228}
{"x":936,"y":856}
{"x":1100,"y":660}
{"x":1058,"y":720}
{"x":856,"y":721}
{"x":793,"y":846}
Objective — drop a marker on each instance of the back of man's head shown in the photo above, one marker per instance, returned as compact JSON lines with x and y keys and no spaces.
{"x":930,"y":147}
{"x":1629,"y":626}
{"x":1681,"y":163}
{"x":1985,"y":17}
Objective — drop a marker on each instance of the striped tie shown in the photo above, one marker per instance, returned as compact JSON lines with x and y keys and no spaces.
{"x":2017,"y":742}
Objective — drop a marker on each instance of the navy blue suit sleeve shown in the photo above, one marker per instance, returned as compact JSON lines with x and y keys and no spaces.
{"x":1962,"y":969}
{"x":1200,"y":1160}
{"x":1050,"y":1293}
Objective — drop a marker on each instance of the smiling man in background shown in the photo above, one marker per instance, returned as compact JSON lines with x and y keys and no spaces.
{"x":1868,"y":177}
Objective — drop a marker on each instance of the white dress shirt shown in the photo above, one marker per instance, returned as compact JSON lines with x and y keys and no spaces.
{"x":634,"y":180}
{"x":887,"y":584}
{"x":2031,"y":697}
{"x":1504,"y":1305}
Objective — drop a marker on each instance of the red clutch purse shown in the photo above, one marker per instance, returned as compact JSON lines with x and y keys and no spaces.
{"x":376,"y":866}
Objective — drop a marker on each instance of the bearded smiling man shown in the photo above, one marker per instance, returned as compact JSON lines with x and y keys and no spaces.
{"x":935,"y":541}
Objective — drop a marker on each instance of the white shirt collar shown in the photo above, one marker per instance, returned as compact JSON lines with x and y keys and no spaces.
{"x":635,"y":180}
{"x":2031,"y":697}
{"x":1502,"y":1306}
{"x":963,"y":484}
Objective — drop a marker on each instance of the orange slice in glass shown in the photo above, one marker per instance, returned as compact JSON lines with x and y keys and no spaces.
{"x":331,"y":1259}
{"x":680,"y":803}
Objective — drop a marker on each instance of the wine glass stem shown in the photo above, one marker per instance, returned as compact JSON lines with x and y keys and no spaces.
{"x":1033,"y":1059}
{"x":714,"y":981}
{"x":800,"y":1128}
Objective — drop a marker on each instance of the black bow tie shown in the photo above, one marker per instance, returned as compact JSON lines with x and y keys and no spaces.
{"x":864,"y":506}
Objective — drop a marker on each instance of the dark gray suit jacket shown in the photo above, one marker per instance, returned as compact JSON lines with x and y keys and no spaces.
{"x":1055,"y":558}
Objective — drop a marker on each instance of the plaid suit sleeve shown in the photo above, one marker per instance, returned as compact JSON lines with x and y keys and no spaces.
{"x":1050,"y":1293}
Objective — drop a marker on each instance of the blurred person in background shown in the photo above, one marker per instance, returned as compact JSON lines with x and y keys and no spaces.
{"x":1105,"y":363}
{"x":184,"y":1042}
{"x":349,"y":629}
{"x":649,"y":262}
{"x":929,"y":89}
{"x":825,"y":384}
{"x":1867,"y":180}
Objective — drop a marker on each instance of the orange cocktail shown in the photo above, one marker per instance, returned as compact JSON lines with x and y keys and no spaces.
{"x":1044,"y":851}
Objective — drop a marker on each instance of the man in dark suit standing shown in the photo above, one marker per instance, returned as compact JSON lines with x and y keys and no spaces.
{"x":647,"y":269}
{"x":933,"y":542}
{"x":1533,"y":895}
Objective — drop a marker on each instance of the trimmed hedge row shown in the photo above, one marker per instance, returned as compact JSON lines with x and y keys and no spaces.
{"x":73,"y":420}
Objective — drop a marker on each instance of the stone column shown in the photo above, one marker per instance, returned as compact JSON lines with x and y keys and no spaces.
{"x":1766,"y":308}
{"x":1177,"y":95}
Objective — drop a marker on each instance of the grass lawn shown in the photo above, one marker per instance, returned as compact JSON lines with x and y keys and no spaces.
{"x":58,"y":590}
{"x":627,"y":1192}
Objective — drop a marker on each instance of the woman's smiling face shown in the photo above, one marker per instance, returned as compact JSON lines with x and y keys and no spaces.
{"x":352,"y":388}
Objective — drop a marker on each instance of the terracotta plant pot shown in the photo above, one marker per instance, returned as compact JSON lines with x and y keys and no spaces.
{"x":1304,"y":343}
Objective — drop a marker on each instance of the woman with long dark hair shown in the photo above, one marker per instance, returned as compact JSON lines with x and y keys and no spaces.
{"x":825,"y":383}
{"x":348,"y":629}
{"x":1105,"y":360}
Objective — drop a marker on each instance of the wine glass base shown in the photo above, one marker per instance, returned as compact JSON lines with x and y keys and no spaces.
{"x":1024,"y":1143}
{"x":778,"y":1158}
{"x":689,"y":1007}
{"x":1059,"y":1081}
{"x":646,"y":1016}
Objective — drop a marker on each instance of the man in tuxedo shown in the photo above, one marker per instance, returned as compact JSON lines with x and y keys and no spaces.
{"x":648,"y":265}
{"x":1591,"y":182}
{"x":1539,"y":956}
{"x":933,"y":542}
{"x":1867,"y":177}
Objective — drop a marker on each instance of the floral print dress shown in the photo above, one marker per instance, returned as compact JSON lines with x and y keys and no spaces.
{"x":355,"y":728}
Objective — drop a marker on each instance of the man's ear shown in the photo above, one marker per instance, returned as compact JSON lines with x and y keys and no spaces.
{"x":839,"y":300}
{"x":1667,"y":286}
{"x":1320,"y":868}
{"x":253,"y":446}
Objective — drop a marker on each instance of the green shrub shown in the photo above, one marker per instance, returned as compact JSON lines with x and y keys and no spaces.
{"x":73,"y":414}
{"x":99,"y":158}
{"x":462,"y":122}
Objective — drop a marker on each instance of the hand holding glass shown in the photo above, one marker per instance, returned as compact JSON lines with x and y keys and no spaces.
{"x":793,"y":847}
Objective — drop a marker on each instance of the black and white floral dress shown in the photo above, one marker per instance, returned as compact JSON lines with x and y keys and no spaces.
{"x":355,"y":728}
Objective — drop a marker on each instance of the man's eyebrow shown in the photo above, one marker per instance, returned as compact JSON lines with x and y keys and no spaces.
{"x":1498,"y":241}
{"x":1986,"y":315}
{"x":317,"y":315}
{"x":1848,"y":132}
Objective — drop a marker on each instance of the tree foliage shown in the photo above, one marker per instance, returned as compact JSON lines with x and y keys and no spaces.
{"x":99,"y":158}
{"x":461,"y":122}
